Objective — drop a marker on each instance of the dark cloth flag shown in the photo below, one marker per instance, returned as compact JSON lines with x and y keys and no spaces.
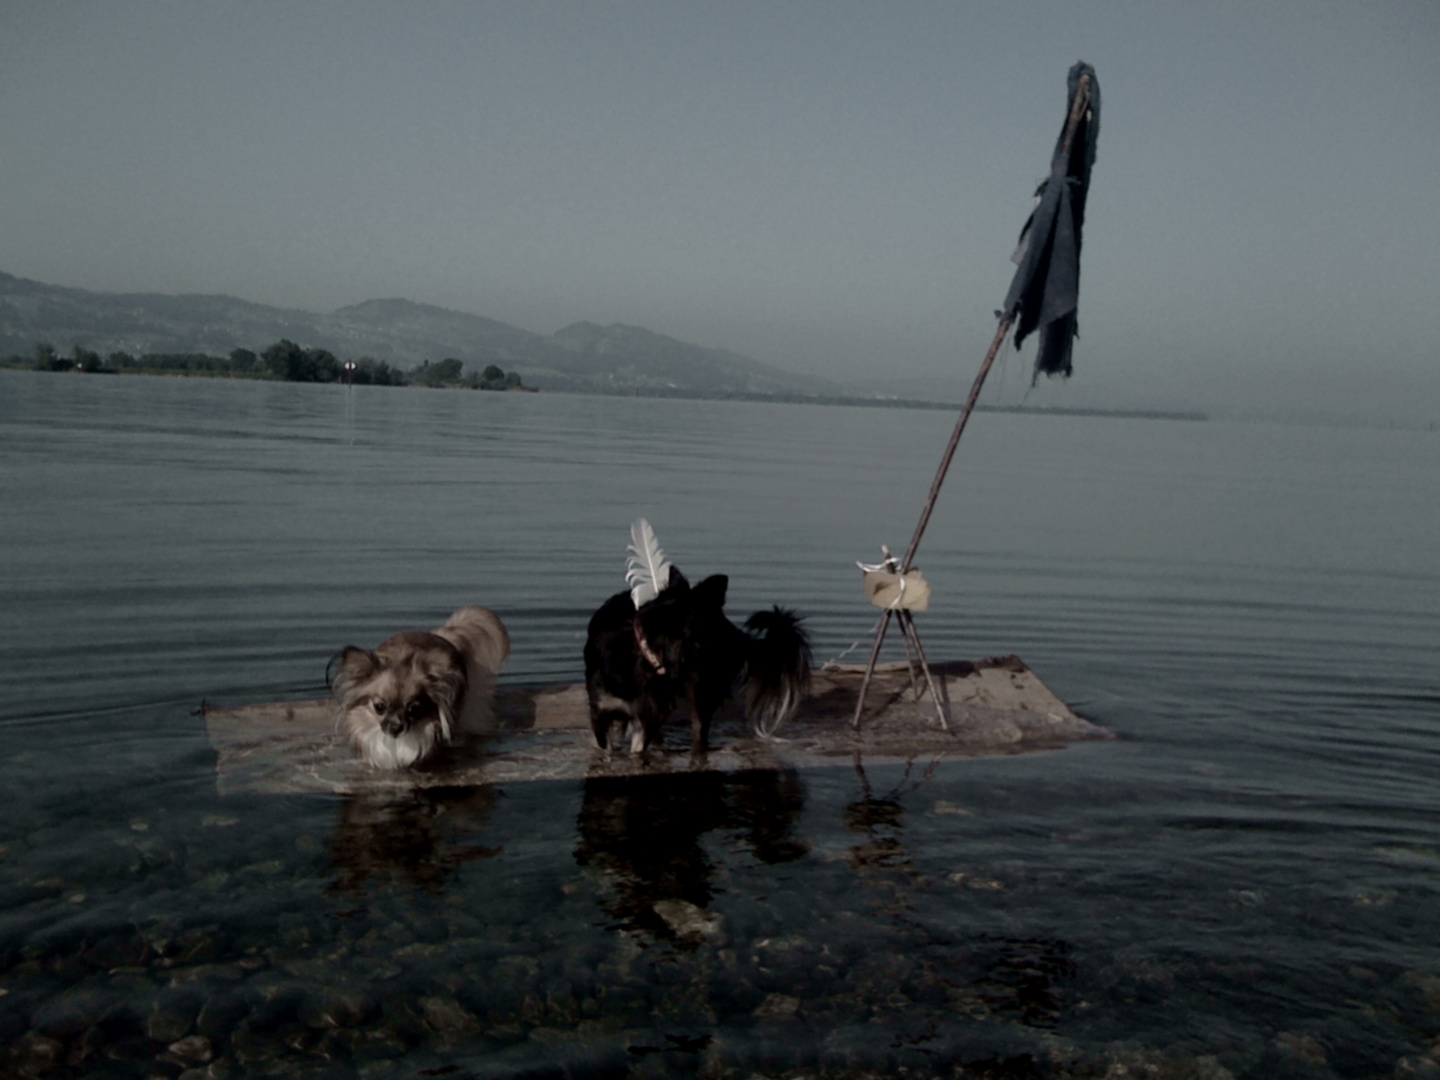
{"x":1046,"y":288}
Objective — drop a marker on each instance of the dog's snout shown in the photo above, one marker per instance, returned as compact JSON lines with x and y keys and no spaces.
{"x":393,"y":726}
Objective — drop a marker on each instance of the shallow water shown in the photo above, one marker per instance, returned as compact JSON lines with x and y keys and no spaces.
{"x":1246,"y":881}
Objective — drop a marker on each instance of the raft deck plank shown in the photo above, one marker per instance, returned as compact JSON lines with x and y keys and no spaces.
{"x":997,"y":706}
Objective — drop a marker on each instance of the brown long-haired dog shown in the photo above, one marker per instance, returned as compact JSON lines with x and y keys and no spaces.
{"x":419,"y":691}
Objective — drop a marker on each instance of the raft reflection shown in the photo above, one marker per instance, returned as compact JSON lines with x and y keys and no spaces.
{"x":417,"y":838}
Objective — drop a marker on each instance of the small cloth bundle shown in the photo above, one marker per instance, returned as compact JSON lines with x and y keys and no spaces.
{"x":897,"y":592}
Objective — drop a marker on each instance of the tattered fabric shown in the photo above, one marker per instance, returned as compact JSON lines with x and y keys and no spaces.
{"x":1046,"y":289}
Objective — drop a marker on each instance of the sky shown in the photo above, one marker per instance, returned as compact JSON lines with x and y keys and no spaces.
{"x":834,"y":188}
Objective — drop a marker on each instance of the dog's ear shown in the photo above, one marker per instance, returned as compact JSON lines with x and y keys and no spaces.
{"x":351,"y":665}
{"x":677,"y":581}
{"x":441,"y":678}
{"x":712,"y":590}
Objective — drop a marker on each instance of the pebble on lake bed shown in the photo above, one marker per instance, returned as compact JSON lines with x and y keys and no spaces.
{"x":689,"y":922}
{"x":777,"y":1007}
{"x":448,"y":1018}
{"x":974,"y":881}
{"x":1306,"y":1047}
{"x":943,"y":809}
{"x":190,"y":1051}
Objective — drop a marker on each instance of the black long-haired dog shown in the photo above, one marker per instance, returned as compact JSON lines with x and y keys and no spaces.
{"x":679,"y":647}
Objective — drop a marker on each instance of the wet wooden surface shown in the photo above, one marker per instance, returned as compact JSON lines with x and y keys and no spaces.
{"x":994,"y":706}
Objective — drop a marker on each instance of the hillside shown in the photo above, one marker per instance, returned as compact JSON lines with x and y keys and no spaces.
{"x":402,"y":333}
{"x":634,"y":356}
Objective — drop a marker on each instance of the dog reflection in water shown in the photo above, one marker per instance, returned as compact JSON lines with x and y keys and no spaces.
{"x":417,"y":692}
{"x":418,"y":838}
{"x":643,"y":833}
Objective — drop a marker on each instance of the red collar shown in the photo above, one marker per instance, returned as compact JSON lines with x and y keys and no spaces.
{"x":645,"y":650}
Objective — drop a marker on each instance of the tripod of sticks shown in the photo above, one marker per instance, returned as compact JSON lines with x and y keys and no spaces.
{"x":1078,"y":105}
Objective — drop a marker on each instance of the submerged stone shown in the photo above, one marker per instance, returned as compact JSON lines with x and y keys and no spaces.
{"x":447,"y":1017}
{"x":777,"y":1006}
{"x":688,"y":921}
{"x":72,"y":1012}
{"x":171,"y":1015}
{"x":329,"y":1007}
{"x":191,"y":1050}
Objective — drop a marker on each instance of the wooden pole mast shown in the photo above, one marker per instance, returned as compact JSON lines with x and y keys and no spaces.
{"x":1077,"y":110}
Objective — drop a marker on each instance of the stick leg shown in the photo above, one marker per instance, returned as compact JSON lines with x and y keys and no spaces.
{"x":870,"y":669}
{"x":907,"y":628}
{"x":907,"y":622}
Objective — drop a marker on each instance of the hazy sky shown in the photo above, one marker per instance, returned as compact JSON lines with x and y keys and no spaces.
{"x":831,"y":187}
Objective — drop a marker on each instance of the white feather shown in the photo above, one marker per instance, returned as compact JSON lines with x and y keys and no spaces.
{"x":647,"y":570}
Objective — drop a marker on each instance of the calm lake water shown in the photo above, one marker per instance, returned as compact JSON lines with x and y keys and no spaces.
{"x":1245,"y":883}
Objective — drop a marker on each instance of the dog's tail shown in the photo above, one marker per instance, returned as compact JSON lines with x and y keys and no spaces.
{"x":483,"y":641}
{"x":777,"y":669}
{"x":479,"y":635}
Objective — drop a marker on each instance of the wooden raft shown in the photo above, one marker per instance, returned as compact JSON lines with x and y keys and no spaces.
{"x":997,"y":706}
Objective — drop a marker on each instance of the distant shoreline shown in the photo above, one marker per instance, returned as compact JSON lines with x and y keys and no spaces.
{"x":703,"y":395}
{"x":888,"y":403}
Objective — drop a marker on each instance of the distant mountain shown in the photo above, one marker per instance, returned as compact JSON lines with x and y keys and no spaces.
{"x":138,"y":323}
{"x":406,"y":333}
{"x":402,"y":333}
{"x":636,"y":357}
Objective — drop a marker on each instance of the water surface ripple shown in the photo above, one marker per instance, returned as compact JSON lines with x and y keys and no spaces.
{"x":1244,"y":884}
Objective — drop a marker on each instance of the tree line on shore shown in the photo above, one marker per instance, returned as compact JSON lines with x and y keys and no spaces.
{"x":284,"y":361}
